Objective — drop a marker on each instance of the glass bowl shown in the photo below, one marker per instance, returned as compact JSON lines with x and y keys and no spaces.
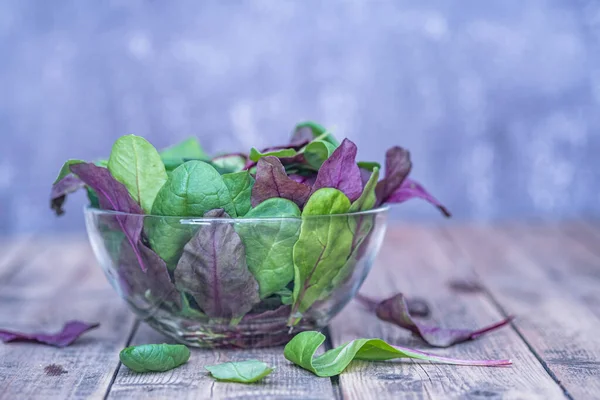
{"x":235,"y":282}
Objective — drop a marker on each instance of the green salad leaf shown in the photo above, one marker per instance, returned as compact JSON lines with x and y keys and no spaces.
{"x":154,"y":357}
{"x":66,"y":169}
{"x":302,"y":348}
{"x":176,"y":155}
{"x":256,"y":155}
{"x":240,"y":187}
{"x":249,"y":371}
{"x":317,"y":152}
{"x":136,"y":164}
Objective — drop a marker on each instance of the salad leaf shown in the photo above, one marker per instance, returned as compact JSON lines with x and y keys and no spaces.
{"x":66,"y":169}
{"x":272,"y":181}
{"x":410,"y":189}
{"x":136,"y":164}
{"x":368,"y":198}
{"x":269,"y":243}
{"x":317,"y":151}
{"x":368,"y":165}
{"x":193,"y":188}
{"x":228,"y":163}
{"x":69,"y":333}
{"x":213,"y":270}
{"x":341,"y":172}
{"x":176,"y":155}
{"x":67,"y":185}
{"x":318,"y":131}
{"x":322,"y":248}
{"x":154,"y":357}
{"x":240,"y":187}
{"x":396,"y":311}
{"x":302,"y":348}
{"x":256,"y":155}
{"x":248,"y":371}
{"x":397,"y":168}
{"x":113,"y":195}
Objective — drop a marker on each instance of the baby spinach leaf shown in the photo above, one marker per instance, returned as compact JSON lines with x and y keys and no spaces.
{"x":317,"y":151}
{"x":269,"y":243}
{"x":69,"y":333}
{"x":410,"y":189}
{"x":248,"y":371}
{"x":228,"y":163}
{"x":113,"y":195}
{"x":322,"y":248}
{"x":341,"y":172}
{"x":368,"y":165}
{"x":66,"y":169}
{"x":240,"y":187}
{"x":256,"y":155}
{"x":154,"y":357}
{"x":395,"y":310}
{"x":318,"y":131}
{"x":213,"y":270}
{"x":286,"y":296}
{"x":272,"y":181}
{"x":301,"y":351}
{"x":67,"y":185}
{"x":136,"y":164}
{"x":367,"y":199}
{"x":397,"y":168}
{"x":176,"y":155}
{"x":193,"y":188}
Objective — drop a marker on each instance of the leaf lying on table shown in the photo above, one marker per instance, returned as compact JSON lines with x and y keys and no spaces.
{"x":396,"y":311}
{"x":154,"y":357}
{"x":240,"y":371}
{"x":69,"y":333}
{"x":301,"y":351}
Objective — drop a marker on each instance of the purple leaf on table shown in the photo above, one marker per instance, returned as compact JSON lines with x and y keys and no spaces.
{"x":395,"y":310}
{"x":410,"y":189}
{"x":397,"y":168}
{"x":272,"y":181}
{"x":340,"y":172}
{"x":69,"y":333}
{"x":213,"y":270}
{"x":61,"y":189}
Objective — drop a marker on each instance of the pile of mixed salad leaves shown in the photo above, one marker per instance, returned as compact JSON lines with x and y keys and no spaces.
{"x":229,"y":270}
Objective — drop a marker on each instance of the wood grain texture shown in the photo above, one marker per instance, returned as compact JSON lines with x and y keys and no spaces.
{"x":192,"y":381}
{"x":527,"y":281}
{"x":60,"y":282}
{"x":412,"y":262}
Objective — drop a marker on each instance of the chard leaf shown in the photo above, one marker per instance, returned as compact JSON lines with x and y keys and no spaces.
{"x":240,"y":187}
{"x":396,"y":311}
{"x":69,"y":333}
{"x":113,"y":195}
{"x":249,"y":371}
{"x":67,"y":185}
{"x":66,"y":169}
{"x":341,"y":172}
{"x":154,"y":357}
{"x":302,"y":348}
{"x":256,"y":155}
{"x":317,"y":151}
{"x":213,"y":270}
{"x":176,"y":155}
{"x":410,"y":189}
{"x":269,"y":244}
{"x":136,"y":164}
{"x":322,"y":248}
{"x":272,"y":181}
{"x":193,"y":188}
{"x":397,"y":168}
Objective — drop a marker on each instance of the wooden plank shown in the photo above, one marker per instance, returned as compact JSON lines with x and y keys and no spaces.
{"x":583,"y":233}
{"x":191,"y":381}
{"x":556,"y":324}
{"x":412,"y":261}
{"x":60,"y":282}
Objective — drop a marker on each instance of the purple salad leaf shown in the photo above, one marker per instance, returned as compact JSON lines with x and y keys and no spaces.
{"x":68,"y":184}
{"x":396,"y":311}
{"x":272,"y":181}
{"x":213,"y":270}
{"x":397,"y":168}
{"x":302,"y":134}
{"x":69,"y":333}
{"x":410,"y":189}
{"x":340,"y":172}
{"x":305,"y":179}
{"x":113,"y":195}
{"x":155,"y":284}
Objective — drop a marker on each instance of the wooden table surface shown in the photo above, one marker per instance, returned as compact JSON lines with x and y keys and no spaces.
{"x":548,"y":275}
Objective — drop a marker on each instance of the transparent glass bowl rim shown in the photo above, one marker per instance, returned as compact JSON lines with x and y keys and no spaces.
{"x":196,"y":220}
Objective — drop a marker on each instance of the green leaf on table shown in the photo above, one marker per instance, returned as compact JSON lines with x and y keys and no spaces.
{"x":249,"y":371}
{"x":322,"y":248}
{"x":154,"y":357}
{"x":193,"y":188}
{"x":240,"y":187}
{"x":136,"y":164}
{"x":269,"y":244}
{"x":256,"y":155}
{"x":318,"y":151}
{"x":176,"y":155}
{"x":302,"y":348}
{"x":66,"y":169}
{"x":213,"y":270}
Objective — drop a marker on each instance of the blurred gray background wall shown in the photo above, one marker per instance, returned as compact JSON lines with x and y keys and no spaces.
{"x":497,"y":100}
